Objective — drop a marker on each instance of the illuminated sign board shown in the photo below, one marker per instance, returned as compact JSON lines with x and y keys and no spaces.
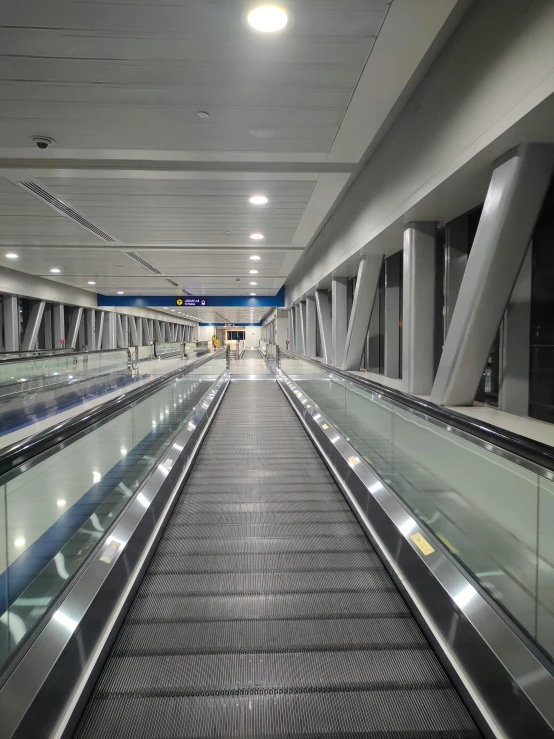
{"x":191,"y":302}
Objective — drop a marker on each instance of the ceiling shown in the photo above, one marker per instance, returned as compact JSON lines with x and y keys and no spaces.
{"x":139,"y":194}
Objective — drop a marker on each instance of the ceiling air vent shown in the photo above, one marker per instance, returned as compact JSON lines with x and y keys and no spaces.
{"x":175,"y":284}
{"x":54,"y":202}
{"x":143,"y":263}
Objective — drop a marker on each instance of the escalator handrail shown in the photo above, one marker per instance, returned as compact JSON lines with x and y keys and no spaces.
{"x":22,"y":452}
{"x":539,"y":454}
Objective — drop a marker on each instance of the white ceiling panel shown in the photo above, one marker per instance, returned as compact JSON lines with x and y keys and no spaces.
{"x":77,"y":65}
{"x":118,"y":84}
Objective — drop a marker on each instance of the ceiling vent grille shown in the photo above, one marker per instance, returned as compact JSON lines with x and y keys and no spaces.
{"x":143,"y":263}
{"x":171,"y":282}
{"x":66,"y":210}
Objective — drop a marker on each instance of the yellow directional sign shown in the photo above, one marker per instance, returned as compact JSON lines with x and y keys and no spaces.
{"x":179,"y":301}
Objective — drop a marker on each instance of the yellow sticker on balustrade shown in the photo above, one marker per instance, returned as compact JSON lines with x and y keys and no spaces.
{"x":422,"y":544}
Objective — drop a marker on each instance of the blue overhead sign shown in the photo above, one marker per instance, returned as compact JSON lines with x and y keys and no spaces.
{"x":212,"y":301}
{"x":192,"y":302}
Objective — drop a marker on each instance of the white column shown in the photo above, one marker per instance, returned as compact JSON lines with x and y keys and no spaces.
{"x":392,"y":316}
{"x":90,"y":334}
{"x":418,"y":314}
{"x":58,"y":317}
{"x":516,"y":327}
{"x":47,"y":326}
{"x":11,"y":324}
{"x":311,"y":327}
{"x":109,"y":334}
{"x":367,"y":284}
{"x":338,"y":318}
{"x":292,"y":344}
{"x":516,"y":192}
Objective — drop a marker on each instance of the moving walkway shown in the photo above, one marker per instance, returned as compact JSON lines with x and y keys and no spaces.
{"x":248,"y":569}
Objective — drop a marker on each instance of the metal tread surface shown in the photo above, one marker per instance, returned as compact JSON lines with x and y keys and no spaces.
{"x":265,"y":612}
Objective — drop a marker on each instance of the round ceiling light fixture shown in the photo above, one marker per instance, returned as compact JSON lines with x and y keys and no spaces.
{"x":257,"y":236}
{"x":258,"y":200}
{"x":253,"y":272}
{"x":55,"y":271}
{"x":11,"y":255}
{"x":268,"y":18}
{"x":91,"y":282}
{"x":255,"y":258}
{"x":262,"y":132}
{"x":253,"y":283}
{"x":252,"y":293}
{"x":120,"y":292}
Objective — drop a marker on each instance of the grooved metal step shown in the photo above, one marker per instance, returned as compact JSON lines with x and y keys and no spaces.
{"x":265,"y":611}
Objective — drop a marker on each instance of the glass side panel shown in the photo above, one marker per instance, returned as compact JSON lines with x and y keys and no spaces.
{"x":494,"y":514}
{"x":41,"y":372}
{"x":55,"y":513}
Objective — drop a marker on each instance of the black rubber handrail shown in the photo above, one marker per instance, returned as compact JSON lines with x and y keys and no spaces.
{"x":520,"y":446}
{"x":22,"y":452}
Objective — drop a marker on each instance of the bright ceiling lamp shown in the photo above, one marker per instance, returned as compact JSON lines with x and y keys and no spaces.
{"x":268,"y":18}
{"x":55,"y":271}
{"x":91,"y":282}
{"x":253,"y":272}
{"x":258,"y":200}
{"x":255,"y":258}
{"x":252,"y":293}
{"x":257,"y":236}
{"x":253,"y":283}
{"x":11,"y":255}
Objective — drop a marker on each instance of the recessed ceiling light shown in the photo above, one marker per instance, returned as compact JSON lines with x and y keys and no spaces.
{"x":252,"y":293}
{"x":203,"y":114}
{"x":268,"y":18}
{"x":11,"y":255}
{"x":61,"y":503}
{"x":173,"y":310}
{"x":120,"y":292}
{"x":258,"y":200}
{"x":20,"y":542}
{"x":255,"y":258}
{"x":253,"y":272}
{"x":91,"y":282}
{"x":253,"y":283}
{"x":257,"y":236}
{"x":262,"y":132}
{"x":55,"y":271}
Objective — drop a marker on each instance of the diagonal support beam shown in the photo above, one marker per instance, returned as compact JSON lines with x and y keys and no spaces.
{"x":367,"y":284}
{"x":74,"y":325}
{"x":516,"y":192}
{"x":324,"y":319}
{"x":33,"y":326}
